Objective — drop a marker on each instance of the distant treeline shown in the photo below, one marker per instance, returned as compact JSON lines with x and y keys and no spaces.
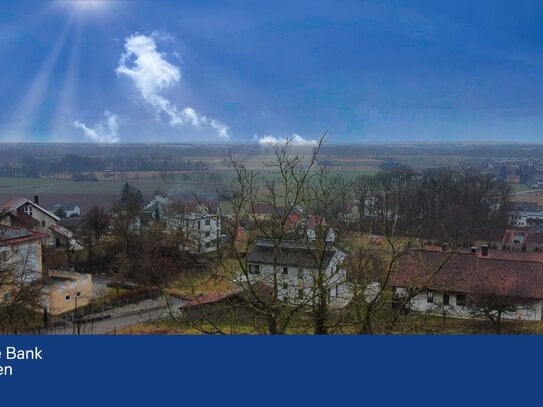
{"x":442,"y":204}
{"x":29,"y":166}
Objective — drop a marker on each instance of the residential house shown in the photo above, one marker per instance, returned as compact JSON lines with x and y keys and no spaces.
{"x":64,"y":238}
{"x":69,"y":210}
{"x":18,"y":211}
{"x":523,"y":240}
{"x":525,"y":218}
{"x":20,"y":254}
{"x":296,"y":267}
{"x":201,"y":226}
{"x":264,"y":211}
{"x":65,"y":291}
{"x":443,"y":283}
{"x":20,"y":249}
{"x":311,"y":226}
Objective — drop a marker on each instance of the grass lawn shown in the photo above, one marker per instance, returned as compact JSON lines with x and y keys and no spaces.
{"x":207,"y":282}
{"x":426,"y":325}
{"x":519,"y":187}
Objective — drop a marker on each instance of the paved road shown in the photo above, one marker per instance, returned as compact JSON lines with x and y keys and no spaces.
{"x":109,"y":326}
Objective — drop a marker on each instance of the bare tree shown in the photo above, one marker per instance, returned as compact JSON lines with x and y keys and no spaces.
{"x":289,"y":185}
{"x":97,"y":222}
{"x":495,"y":307}
{"x":21,"y":287}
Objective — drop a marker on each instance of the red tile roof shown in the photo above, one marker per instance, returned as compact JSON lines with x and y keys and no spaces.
{"x":470,"y":273}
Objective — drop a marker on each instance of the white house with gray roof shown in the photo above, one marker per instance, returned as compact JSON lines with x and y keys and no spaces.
{"x":71,"y":210}
{"x":296,"y":267}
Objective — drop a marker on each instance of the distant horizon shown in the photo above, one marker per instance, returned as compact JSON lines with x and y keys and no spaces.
{"x":254,"y":144}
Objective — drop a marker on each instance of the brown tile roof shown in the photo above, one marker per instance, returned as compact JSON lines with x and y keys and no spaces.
{"x":15,"y":202}
{"x":25,"y":218}
{"x":470,"y":273}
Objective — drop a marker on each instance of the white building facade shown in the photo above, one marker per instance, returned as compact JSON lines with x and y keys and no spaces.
{"x":295,"y":269}
{"x":201,"y":227}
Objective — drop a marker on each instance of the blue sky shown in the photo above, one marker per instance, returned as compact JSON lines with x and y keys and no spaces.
{"x":243,"y":71}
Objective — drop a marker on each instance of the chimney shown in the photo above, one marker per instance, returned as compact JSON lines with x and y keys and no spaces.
{"x":474,"y":250}
{"x":484,"y":250}
{"x":444,"y":247}
{"x":36,"y":199}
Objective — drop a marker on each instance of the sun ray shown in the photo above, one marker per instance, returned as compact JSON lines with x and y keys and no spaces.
{"x":64,"y":109}
{"x":27,"y":108}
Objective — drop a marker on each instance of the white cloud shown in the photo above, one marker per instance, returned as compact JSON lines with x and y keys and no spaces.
{"x":294,"y":140}
{"x":105,"y":131}
{"x":151,"y":74}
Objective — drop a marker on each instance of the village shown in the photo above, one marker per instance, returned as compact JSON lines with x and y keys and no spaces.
{"x":299,"y":251}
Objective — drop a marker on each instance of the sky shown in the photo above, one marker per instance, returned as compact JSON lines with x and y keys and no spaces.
{"x":111,"y":71}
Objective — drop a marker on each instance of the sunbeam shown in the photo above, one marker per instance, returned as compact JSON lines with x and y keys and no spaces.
{"x":33,"y":99}
{"x":66,"y":100}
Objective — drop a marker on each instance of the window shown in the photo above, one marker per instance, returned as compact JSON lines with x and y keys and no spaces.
{"x":208,"y":245}
{"x":337,"y":290}
{"x":68,"y":297}
{"x":285,"y":286}
{"x":254,"y":269}
{"x":42,"y":223}
{"x":430,"y":297}
{"x":285,"y":270}
{"x":460,"y":299}
{"x":28,"y":210}
{"x":445,"y":299}
{"x":208,"y":222}
{"x":207,"y":234}
{"x":199,"y":225}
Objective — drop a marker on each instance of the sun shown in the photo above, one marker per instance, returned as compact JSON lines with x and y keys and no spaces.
{"x":86,"y":6}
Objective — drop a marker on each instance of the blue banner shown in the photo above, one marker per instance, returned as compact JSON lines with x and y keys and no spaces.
{"x":264,"y":370}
